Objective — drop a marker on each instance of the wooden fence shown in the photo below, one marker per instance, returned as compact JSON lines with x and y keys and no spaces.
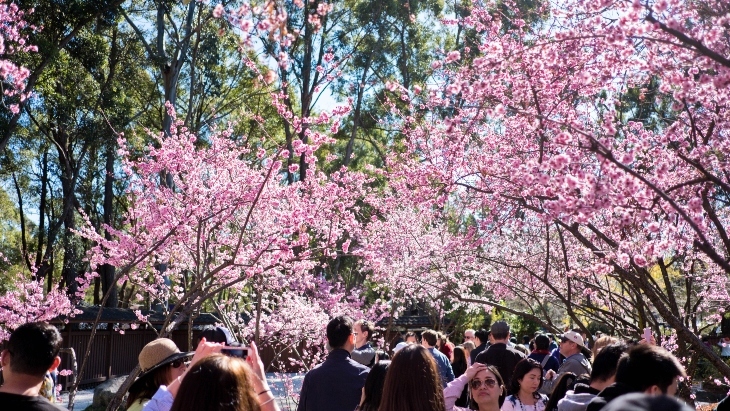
{"x":112,"y":353}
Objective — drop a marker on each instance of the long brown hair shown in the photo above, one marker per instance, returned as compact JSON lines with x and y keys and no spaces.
{"x":217,"y":383}
{"x":412,"y":382}
{"x":147,"y":386}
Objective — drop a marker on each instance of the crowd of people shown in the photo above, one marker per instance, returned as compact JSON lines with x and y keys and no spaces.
{"x":490,"y":371}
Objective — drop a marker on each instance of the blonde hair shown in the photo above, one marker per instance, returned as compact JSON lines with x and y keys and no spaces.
{"x":602,"y":342}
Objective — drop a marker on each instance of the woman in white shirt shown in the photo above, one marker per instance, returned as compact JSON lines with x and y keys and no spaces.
{"x":526,"y":381}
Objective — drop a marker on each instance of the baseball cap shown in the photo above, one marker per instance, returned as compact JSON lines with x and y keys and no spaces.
{"x":573,"y":336}
{"x":399,"y":346}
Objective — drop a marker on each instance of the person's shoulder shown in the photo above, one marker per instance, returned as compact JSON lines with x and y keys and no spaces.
{"x":27,"y":403}
{"x":356,"y":365}
{"x":516,"y":352}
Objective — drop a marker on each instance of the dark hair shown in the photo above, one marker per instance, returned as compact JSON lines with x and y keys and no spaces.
{"x":382,"y":355}
{"x":645,"y":365}
{"x":232,"y":389}
{"x":522,"y":367}
{"x":33,"y":348}
{"x":366,"y":326}
{"x":430,"y":336}
{"x":542,"y":342}
{"x":412,"y":382}
{"x":482,"y":334}
{"x":560,"y":388}
{"x":410,"y":334}
{"x":373,"y":388}
{"x":339,"y":329}
{"x":605,"y":363}
{"x":459,"y":365}
{"x":216,"y":335}
{"x":147,"y":386}
{"x":500,"y":383}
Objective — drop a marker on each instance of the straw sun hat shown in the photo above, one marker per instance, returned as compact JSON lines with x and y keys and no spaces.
{"x":157,"y":353}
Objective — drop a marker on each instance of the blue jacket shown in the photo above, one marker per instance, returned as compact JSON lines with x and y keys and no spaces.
{"x":445,"y":370}
{"x":334,"y":385}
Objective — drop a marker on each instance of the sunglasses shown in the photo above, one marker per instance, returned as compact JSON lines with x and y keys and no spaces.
{"x":177,"y":363}
{"x":489,"y":383}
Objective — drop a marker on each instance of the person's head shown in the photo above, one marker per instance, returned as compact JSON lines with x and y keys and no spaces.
{"x":542,"y":342}
{"x":605,"y":363}
{"x":469,"y":335}
{"x":363,"y":332}
{"x":412,"y":382}
{"x":217,"y":382}
{"x":650,"y":369}
{"x":521,"y":348}
{"x":411,"y":338}
{"x":459,"y":355}
{"x":487,"y":388}
{"x":340,"y":333}
{"x":527,"y":377}
{"x":381,"y":355}
{"x":500,"y":331}
{"x":32,"y":350}
{"x":602,"y":342}
{"x":160,"y":362}
{"x":216,"y":334}
{"x":429,"y":338}
{"x":443,"y":339}
{"x":572,"y":343}
{"x":373,"y":389}
{"x":399,"y":346}
{"x":468,"y":347}
{"x":481,"y":337}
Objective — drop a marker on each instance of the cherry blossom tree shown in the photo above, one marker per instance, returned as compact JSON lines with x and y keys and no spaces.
{"x":13,"y":40}
{"x":235,"y":237}
{"x":575,"y":191}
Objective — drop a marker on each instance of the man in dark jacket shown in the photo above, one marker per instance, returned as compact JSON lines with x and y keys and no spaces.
{"x":646,"y":368}
{"x":481,"y":340}
{"x":337,"y":383}
{"x":499,"y":354}
{"x":542,"y":354}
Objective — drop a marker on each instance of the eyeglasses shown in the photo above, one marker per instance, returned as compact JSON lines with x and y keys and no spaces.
{"x":489,"y":383}
{"x":466,"y":337}
{"x":177,"y":363}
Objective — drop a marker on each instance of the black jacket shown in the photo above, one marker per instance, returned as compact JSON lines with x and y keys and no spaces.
{"x":608,"y":394}
{"x":334,"y":385}
{"x":504,"y":358}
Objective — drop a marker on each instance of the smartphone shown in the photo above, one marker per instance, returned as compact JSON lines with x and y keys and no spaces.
{"x":235,"y":349}
{"x":647,"y":334}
